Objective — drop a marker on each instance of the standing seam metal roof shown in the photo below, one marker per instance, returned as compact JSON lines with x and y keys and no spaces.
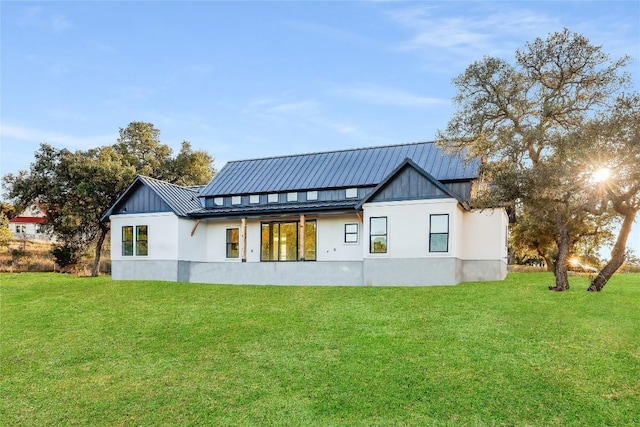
{"x":335,"y":169}
{"x":181,"y":199}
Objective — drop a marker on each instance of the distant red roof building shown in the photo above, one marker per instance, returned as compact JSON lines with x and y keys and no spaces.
{"x":28,"y":225}
{"x":28,"y":220}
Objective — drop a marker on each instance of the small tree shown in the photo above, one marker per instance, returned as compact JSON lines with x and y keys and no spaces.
{"x":5,"y":232}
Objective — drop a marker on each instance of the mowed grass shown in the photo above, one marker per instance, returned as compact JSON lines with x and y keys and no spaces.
{"x":91,"y":351}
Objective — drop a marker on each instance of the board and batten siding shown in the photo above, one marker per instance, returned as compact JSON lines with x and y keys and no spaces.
{"x":144,"y":200}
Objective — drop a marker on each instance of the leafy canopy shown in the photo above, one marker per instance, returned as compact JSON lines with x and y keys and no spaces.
{"x":527,"y":121}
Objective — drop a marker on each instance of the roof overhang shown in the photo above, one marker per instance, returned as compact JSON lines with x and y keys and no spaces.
{"x":333,"y":207}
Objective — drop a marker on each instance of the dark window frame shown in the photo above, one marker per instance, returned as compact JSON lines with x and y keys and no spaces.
{"x":126,"y":249}
{"x":439,"y":233}
{"x":351,"y":233}
{"x":271,"y":257}
{"x":142,"y":244}
{"x":138,"y":244}
{"x":377,"y":235}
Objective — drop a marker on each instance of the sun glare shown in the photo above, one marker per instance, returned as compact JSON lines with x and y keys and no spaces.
{"x":601,"y":175}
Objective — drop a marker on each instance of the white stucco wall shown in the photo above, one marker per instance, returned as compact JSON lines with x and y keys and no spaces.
{"x":191,"y":247}
{"x":163,"y":235}
{"x":477,"y":249}
{"x":408,"y":227}
{"x":485,"y":235}
{"x":330,"y":239}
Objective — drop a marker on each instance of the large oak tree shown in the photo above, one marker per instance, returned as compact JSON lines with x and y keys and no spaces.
{"x":526,"y":120}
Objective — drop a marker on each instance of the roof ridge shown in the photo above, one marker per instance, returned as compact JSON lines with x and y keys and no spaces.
{"x":330,"y":151}
{"x":182,"y":187}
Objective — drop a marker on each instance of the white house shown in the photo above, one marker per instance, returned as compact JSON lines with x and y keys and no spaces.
{"x":383,"y":216}
{"x":30,"y":225}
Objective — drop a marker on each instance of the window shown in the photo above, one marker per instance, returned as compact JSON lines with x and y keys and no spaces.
{"x":142,"y":247}
{"x":351,"y":233}
{"x":127,"y":240}
{"x":351,"y":193}
{"x":254,"y":198}
{"x":292,"y":197}
{"x":139,"y":241}
{"x":280,"y":241}
{"x":378,"y":235}
{"x":236,"y":200}
{"x":233,"y":239}
{"x":272,"y":198}
{"x":218,"y":201}
{"x":439,"y":233}
{"x":312,"y":195}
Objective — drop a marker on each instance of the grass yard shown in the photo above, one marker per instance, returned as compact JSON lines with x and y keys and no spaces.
{"x":90,"y":351}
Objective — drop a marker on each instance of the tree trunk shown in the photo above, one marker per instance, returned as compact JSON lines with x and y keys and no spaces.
{"x":562,"y":261}
{"x":95,"y":268}
{"x":548,"y":261}
{"x":617,"y":254}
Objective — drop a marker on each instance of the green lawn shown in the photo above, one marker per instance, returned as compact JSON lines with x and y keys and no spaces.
{"x":90,"y":351}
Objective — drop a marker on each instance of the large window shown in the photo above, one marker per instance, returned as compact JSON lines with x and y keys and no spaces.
{"x":138,"y":241}
{"x":378,"y":235}
{"x":127,"y":240}
{"x":233,"y":239}
{"x":142,"y":247}
{"x":439,"y":233}
{"x":280,"y":241}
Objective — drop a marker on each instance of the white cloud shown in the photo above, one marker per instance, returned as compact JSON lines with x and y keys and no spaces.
{"x":22,"y":134}
{"x":449,"y":34}
{"x":42,"y":19}
{"x":306,"y":113}
{"x":389,"y":96}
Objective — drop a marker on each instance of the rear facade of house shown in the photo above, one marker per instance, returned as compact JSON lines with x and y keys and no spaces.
{"x":382,"y":216}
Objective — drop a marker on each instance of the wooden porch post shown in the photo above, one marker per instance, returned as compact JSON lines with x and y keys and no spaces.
{"x":243,"y":231}
{"x":301,"y":239}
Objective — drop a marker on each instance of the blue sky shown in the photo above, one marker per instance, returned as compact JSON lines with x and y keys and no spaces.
{"x":253,"y":79}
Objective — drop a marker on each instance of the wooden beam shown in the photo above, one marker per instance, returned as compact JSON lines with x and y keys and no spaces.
{"x":243,"y":230}
{"x":359,"y":215}
{"x":193,"y":230}
{"x":301,"y":238}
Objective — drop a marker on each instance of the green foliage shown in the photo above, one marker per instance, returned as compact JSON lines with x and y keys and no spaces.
{"x":5,"y":232}
{"x":74,"y":189}
{"x":189,"y":167}
{"x":66,"y":255}
{"x":77,"y":188}
{"x":8,"y":210}
{"x":140,"y":147}
{"x":152,"y":353}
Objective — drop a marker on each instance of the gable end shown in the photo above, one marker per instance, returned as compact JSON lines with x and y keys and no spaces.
{"x":408,"y":184}
{"x":142,"y":200}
